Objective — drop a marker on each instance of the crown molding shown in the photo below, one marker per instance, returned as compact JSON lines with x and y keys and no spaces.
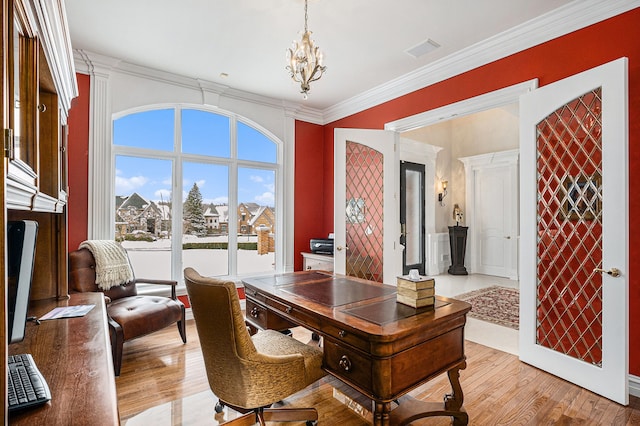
{"x":571,"y":17}
{"x":96,"y":64}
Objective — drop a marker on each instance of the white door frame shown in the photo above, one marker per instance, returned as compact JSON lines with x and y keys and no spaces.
{"x":422,"y":153}
{"x":504,"y":159}
{"x":498,"y":98}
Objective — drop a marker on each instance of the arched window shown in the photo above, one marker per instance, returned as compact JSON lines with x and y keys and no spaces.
{"x":192,"y":187}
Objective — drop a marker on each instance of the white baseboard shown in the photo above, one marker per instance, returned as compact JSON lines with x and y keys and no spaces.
{"x":634,"y":385}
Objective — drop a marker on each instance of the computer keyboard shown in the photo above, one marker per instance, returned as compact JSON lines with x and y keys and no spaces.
{"x":26,"y":386}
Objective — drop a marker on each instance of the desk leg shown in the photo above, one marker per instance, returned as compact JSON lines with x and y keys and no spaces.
{"x":381,"y":413}
{"x":411,"y":409}
{"x":453,"y":401}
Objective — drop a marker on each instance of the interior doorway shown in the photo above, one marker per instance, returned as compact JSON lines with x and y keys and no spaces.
{"x":432,"y":126}
{"x":445,"y":119}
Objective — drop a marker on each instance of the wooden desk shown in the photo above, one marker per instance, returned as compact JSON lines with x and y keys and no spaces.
{"x":379,"y":347}
{"x":74,"y":356}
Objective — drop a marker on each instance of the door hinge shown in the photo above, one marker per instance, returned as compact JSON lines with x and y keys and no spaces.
{"x":8,"y":143}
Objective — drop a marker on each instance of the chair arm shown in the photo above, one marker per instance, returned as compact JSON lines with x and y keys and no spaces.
{"x":172,"y":283}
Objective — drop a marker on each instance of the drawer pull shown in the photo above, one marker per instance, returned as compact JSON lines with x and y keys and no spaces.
{"x":342,"y":333}
{"x":289,"y":309}
{"x":345,"y":363}
{"x":255,"y":312}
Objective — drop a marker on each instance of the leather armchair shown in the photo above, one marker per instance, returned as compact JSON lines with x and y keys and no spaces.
{"x":249,"y":373}
{"x":130,"y":315}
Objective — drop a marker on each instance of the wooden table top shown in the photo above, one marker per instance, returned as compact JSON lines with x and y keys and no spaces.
{"x":367,"y":306}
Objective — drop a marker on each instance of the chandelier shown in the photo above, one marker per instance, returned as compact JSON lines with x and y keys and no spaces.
{"x":305,"y":59}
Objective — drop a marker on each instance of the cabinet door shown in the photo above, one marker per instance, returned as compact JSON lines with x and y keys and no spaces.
{"x":23,"y":99}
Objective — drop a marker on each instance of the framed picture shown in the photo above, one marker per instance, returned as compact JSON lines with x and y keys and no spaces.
{"x":582,"y":197}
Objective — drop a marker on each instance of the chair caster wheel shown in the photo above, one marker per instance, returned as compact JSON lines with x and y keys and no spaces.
{"x":311,"y":422}
{"x":219,"y":407}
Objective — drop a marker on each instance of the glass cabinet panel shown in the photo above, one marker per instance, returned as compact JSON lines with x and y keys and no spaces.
{"x":23,"y":67}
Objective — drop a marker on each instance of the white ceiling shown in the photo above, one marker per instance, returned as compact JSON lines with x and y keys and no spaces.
{"x":364,"y":41}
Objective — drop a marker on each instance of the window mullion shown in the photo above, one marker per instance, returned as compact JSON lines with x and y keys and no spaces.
{"x":176,"y":207}
{"x":233,"y":201}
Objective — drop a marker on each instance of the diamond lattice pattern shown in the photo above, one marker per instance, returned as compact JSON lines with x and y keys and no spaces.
{"x":363,"y":204}
{"x":569,"y":247}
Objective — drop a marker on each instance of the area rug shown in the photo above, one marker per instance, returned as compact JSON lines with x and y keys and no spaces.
{"x":495,"y":304}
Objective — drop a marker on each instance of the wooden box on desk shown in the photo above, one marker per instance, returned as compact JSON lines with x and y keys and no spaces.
{"x":416,"y":293}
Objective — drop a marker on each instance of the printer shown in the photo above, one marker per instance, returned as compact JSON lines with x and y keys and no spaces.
{"x":321,"y":245}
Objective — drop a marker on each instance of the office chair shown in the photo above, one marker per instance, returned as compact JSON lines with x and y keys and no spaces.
{"x":129,"y":315}
{"x":249,"y":373}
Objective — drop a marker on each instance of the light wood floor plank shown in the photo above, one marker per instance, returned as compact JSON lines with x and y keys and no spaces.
{"x":163,"y":380}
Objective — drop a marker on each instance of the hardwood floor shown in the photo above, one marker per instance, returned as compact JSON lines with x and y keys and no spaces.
{"x":163,"y":382}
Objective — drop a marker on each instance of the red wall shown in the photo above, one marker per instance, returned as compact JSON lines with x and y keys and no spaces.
{"x":309,"y":188}
{"x":78,"y":158}
{"x":549,"y":62}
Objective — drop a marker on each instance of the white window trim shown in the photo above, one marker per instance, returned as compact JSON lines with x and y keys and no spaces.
{"x":102,"y":193}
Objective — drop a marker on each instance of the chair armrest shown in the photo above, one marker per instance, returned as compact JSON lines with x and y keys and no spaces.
{"x":172,"y":283}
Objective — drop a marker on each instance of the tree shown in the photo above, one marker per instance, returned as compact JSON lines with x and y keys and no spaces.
{"x":193,"y":213}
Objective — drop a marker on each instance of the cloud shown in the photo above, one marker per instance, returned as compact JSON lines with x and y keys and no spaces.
{"x":255,"y":178}
{"x":265,"y":199}
{"x":188,"y":184}
{"x":127,"y":185}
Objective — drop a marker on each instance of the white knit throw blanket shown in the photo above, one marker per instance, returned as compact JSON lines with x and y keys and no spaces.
{"x":112,"y":263}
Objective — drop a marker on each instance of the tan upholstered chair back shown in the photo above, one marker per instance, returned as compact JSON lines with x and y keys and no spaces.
{"x":225,"y":341}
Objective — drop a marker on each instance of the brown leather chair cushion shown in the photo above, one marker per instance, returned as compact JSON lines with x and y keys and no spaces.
{"x":82,"y":276}
{"x":139,"y":315}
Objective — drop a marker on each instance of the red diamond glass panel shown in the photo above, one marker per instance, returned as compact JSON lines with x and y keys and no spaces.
{"x":363,"y":204}
{"x":569,"y":245}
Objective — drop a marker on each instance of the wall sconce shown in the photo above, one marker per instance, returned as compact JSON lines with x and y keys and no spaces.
{"x":442,"y":194}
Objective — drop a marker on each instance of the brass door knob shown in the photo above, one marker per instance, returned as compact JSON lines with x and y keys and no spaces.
{"x":614,"y":272}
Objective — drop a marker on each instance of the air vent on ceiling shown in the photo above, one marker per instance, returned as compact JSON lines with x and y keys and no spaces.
{"x":422,"y":48}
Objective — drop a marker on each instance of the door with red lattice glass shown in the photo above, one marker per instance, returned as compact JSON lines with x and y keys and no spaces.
{"x":366,"y":225}
{"x":574,"y":233}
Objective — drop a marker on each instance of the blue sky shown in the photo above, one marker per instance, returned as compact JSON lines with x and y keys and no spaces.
{"x":203,"y":133}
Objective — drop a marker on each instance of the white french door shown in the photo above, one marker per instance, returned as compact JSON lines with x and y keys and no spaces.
{"x":366,"y":224}
{"x":574,"y":229}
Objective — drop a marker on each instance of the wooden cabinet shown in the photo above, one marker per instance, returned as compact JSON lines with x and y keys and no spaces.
{"x":321,"y":262}
{"x":38,"y":84}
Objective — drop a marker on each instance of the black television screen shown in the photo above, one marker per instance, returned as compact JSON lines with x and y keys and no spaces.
{"x":21,"y":249}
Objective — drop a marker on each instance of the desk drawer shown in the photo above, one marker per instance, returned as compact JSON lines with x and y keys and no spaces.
{"x":347,"y":364}
{"x":261,"y":317}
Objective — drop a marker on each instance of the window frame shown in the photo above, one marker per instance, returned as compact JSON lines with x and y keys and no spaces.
{"x":177,"y":158}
